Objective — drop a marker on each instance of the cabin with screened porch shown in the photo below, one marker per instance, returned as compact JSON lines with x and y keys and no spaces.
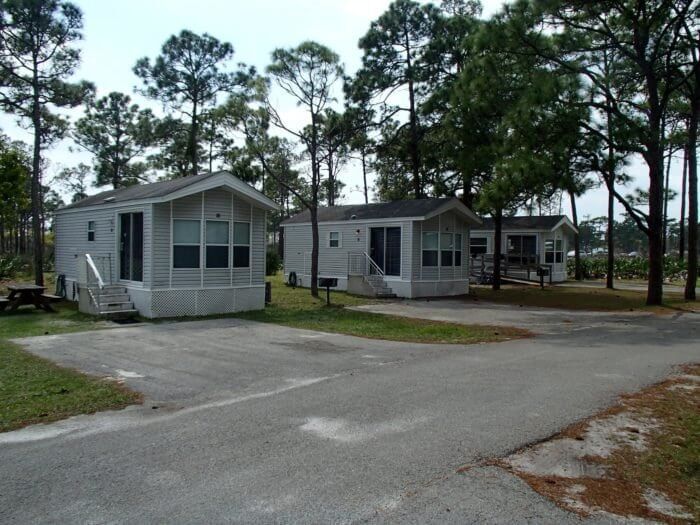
{"x":415,"y":248}
{"x":185,"y":247}
{"x":528,"y":243}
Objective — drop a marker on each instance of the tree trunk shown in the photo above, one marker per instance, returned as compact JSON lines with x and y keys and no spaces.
{"x":314,"y":251}
{"x":364,"y":174}
{"x":37,"y":236}
{"x":666,"y":185}
{"x":193,"y":141}
{"x":692,"y":278}
{"x":498,"y":234}
{"x":684,"y":182}
{"x":655,"y":222}
{"x":413,"y":124}
{"x":578,"y":273}
{"x":610,"y":233}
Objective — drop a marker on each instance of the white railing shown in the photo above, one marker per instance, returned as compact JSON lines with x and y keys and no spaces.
{"x":97,"y":269}
{"x":363,"y":264}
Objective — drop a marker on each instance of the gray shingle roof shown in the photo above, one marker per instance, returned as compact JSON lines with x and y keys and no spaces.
{"x":380,"y":210}
{"x":141,"y":191}
{"x":524,"y":222}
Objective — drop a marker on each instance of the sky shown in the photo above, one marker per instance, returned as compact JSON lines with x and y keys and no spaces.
{"x":117,"y":34}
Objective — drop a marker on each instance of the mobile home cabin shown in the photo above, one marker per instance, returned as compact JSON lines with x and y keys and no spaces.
{"x":528,"y":243}
{"x":184,"y":247}
{"x":415,"y":248}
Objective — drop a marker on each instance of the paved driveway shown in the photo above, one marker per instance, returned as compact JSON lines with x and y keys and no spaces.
{"x":259,"y":423}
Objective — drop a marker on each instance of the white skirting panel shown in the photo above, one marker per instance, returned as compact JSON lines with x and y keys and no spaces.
{"x":195,"y":302}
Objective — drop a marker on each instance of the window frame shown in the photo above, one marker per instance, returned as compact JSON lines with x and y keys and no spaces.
{"x":235,"y":245}
{"x":436,"y":250}
{"x":448,"y":251}
{"x":339,"y":240}
{"x":485,"y":245}
{"x":227,"y":245}
{"x":458,"y":248}
{"x":555,"y":255}
{"x":198,"y":244}
{"x":91,"y":230}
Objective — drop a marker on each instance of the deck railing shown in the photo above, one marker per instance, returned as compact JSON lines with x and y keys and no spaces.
{"x":98,"y":274}
{"x":362,"y":264}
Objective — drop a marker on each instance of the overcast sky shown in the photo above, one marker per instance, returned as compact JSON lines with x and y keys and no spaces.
{"x":116,"y":34}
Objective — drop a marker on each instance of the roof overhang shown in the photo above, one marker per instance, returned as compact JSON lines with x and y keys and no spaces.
{"x":565,"y":223}
{"x":222,"y":179}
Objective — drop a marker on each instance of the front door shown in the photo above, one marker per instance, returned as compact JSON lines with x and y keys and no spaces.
{"x":385,"y":249}
{"x":376,"y":247}
{"x":131,"y":246}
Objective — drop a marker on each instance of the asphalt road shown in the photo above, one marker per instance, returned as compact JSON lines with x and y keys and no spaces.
{"x":264,"y":424}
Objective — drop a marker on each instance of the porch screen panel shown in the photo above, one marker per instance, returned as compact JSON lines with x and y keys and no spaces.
{"x":125,"y":246}
{"x":393,"y":252}
{"x":137,"y":246}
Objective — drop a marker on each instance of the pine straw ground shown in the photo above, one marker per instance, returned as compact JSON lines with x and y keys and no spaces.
{"x":659,"y":459}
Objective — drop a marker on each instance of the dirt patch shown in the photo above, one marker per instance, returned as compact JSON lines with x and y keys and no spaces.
{"x":639,"y":460}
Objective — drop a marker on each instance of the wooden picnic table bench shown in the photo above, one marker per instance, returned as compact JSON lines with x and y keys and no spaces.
{"x":21,"y":294}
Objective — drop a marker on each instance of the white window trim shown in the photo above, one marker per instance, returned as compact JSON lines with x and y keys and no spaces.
{"x":173,"y":243}
{"x":93,"y":230}
{"x":207,"y":243}
{"x":423,"y":249}
{"x":249,"y":245}
{"x":340,"y":239}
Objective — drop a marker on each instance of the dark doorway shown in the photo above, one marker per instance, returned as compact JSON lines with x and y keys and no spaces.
{"x":131,"y":246}
{"x":385,"y":249}
{"x":522,"y":249}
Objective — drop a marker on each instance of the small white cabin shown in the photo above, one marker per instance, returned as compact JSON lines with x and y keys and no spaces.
{"x":528,"y":242}
{"x":415,"y":248}
{"x":183,"y":247}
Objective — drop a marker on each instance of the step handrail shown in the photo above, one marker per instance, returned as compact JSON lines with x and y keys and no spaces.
{"x":92,"y":266}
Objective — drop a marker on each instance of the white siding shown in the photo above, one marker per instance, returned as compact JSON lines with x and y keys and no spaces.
{"x":71,"y":239}
{"x":219,"y":204}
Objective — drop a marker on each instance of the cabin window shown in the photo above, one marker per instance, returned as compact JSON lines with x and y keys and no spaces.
{"x":241,"y":244}
{"x":446,"y":249}
{"x":217,"y":249}
{"x":430,"y":248}
{"x":553,"y":251}
{"x":91,"y":231}
{"x":458,"y":249}
{"x":186,"y":243}
{"x":334,"y":240}
{"x":478,"y":246}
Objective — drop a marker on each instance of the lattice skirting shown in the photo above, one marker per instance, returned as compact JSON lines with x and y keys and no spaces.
{"x":182,"y":303}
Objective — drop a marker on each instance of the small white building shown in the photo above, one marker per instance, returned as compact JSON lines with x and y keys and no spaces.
{"x":183,"y":247}
{"x":528,"y":242}
{"x":415,"y":248}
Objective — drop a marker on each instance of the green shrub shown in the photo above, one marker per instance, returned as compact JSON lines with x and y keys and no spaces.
{"x":274,"y":262}
{"x":10,"y":265}
{"x":627,"y":267}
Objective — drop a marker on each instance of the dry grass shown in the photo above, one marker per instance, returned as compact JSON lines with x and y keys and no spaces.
{"x":581,"y":298}
{"x":669,"y":463}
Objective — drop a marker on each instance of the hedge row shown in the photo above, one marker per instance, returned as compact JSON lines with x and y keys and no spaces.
{"x":627,"y":268}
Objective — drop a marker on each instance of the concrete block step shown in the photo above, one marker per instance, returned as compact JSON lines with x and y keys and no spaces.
{"x":116,"y":307}
{"x":113,"y":289}
{"x":119,"y":314}
{"x":114,"y":298}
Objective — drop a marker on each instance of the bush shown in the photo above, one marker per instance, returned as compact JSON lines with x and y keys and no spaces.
{"x":10,"y":265}
{"x":274,"y":262}
{"x":627,"y":267}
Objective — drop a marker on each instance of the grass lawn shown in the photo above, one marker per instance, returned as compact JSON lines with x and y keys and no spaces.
{"x":580,"y":298}
{"x":296,"y":308}
{"x":34,"y":390}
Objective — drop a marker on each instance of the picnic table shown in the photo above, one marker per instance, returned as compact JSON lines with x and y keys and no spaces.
{"x":21,"y":294}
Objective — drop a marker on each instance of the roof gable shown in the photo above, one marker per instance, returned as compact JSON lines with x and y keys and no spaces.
{"x":417,"y":208}
{"x":529,"y":222}
{"x":173,"y":189}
